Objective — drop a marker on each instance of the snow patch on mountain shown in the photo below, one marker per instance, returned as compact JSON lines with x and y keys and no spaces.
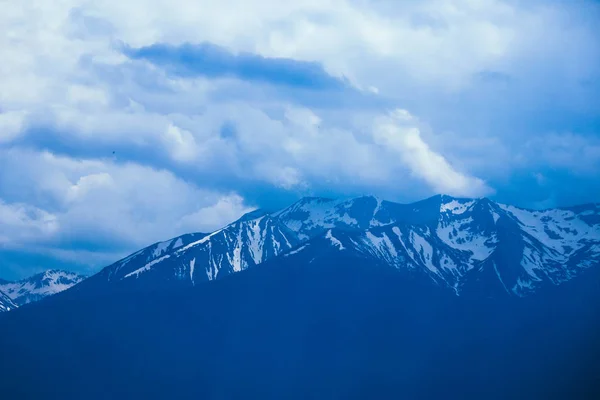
{"x":559,"y":229}
{"x":6,"y":303}
{"x":334,"y":240}
{"x":424,"y":249}
{"x":161,"y":248}
{"x":459,"y":235}
{"x":456,"y":207}
{"x":178,"y":243}
{"x":381,"y":246}
{"x":146,"y":267}
{"x":192,"y":266}
{"x":296,"y":251}
{"x":199,"y":242}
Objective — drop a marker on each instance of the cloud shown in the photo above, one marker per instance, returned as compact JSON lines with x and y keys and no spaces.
{"x":227,"y":209}
{"x":399,"y":133}
{"x":213,"y":61}
{"x":99,"y":205}
{"x":207,"y":112}
{"x":568,"y":151}
{"x":181,"y":143}
{"x":24,"y":222}
{"x":11,"y":125}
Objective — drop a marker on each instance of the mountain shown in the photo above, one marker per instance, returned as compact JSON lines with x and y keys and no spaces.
{"x":39,"y":286}
{"x":338,"y":327}
{"x":6,"y":304}
{"x":469,"y":246}
{"x":330,"y":299}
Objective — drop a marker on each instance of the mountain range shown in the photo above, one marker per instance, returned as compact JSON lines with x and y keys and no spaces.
{"x":468,"y":246}
{"x":330,"y":299}
{"x":36,"y":287}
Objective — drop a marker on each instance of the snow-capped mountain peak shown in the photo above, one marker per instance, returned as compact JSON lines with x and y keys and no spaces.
{"x":39,"y":286}
{"x":314,"y":215}
{"x":461,"y":244}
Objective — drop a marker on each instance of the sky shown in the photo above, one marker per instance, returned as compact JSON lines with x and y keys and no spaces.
{"x":123,"y":123}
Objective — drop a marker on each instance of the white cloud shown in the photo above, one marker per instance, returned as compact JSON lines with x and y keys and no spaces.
{"x":439,"y":43}
{"x":127,"y":206}
{"x":22,"y":222}
{"x":399,"y":132}
{"x":227,"y":209}
{"x":181,"y":143}
{"x":11,"y":125}
{"x":87,"y":96}
{"x":88,"y":183}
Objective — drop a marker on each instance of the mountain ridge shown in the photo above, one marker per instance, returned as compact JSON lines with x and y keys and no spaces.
{"x":457,"y":241}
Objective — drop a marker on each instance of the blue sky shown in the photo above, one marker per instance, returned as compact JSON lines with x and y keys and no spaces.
{"x":126,"y":123}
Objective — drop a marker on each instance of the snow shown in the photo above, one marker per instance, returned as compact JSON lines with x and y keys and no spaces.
{"x":457,"y":235}
{"x":382,"y":246}
{"x":146,"y":267}
{"x":161,"y":248}
{"x":334,"y":241}
{"x":256,"y":238}
{"x":531,"y":260}
{"x":496,"y":216}
{"x":38,"y":286}
{"x":523,"y":284}
{"x":317,"y":214}
{"x":455,"y":207}
{"x":276,"y":243}
{"x":198,"y":242}
{"x":287,"y":242}
{"x":240,"y":244}
{"x":377,"y":207}
{"x":6,"y":303}
{"x":192,"y":266}
{"x":499,"y":277}
{"x":447,"y":263}
{"x":374,"y":221}
{"x":348,"y":220}
{"x":212,"y":270}
{"x":178,"y":243}
{"x":294,"y":225}
{"x":424,"y":249}
{"x":129,"y":258}
{"x":236,"y":259}
{"x":550,"y":236}
{"x":560,"y":230}
{"x":298,"y":250}
{"x":408,"y":251}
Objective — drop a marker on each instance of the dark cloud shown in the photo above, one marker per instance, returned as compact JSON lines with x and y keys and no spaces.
{"x":210,"y":60}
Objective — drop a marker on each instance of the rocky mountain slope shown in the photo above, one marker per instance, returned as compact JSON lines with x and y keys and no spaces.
{"x":6,"y":303}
